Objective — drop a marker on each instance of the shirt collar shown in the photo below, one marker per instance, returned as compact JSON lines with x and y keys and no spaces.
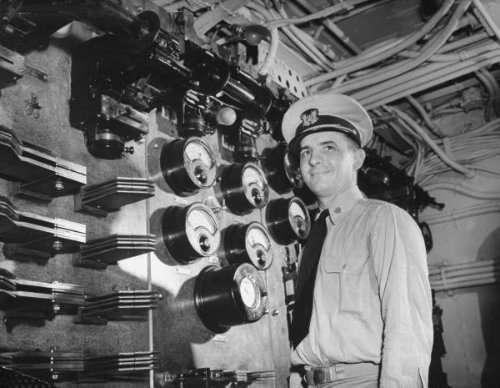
{"x":343,"y":203}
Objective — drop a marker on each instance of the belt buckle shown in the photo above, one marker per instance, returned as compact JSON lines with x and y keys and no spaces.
{"x":328,"y":374}
{"x":318,"y":376}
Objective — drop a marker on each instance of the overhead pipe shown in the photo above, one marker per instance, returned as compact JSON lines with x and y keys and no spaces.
{"x":486,"y":15}
{"x":406,"y":65}
{"x":353,"y":64}
{"x":411,"y":85}
{"x":454,"y":165}
{"x":463,"y":190}
{"x":470,"y":211}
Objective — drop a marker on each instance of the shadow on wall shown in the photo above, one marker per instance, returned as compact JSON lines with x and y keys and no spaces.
{"x":489,"y":305}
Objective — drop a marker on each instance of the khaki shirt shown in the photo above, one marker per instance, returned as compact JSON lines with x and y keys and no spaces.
{"x":372,"y":297}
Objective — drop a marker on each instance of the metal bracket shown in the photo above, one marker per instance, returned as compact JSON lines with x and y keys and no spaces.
{"x":27,"y":234}
{"x":101,"y":199}
{"x":39,"y":174}
{"x":101,"y":252}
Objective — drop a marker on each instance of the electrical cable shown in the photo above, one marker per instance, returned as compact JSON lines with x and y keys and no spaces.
{"x":388,"y":72}
{"x":470,"y":211}
{"x":485,"y":14}
{"x":421,"y":110}
{"x":463,"y":190}
{"x":271,"y":54}
{"x":408,"y":120}
{"x":489,"y":91}
{"x":428,"y":77}
{"x":410,"y":41}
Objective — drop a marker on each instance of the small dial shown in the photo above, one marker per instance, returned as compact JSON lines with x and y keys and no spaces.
{"x":200,"y":161}
{"x":202,"y":230}
{"x":255,"y":185}
{"x":249,"y":291}
{"x":292,"y":172}
{"x":299,"y":219}
{"x":258,"y":245}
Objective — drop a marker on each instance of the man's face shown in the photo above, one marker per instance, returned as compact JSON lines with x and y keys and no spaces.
{"x":329,"y":163}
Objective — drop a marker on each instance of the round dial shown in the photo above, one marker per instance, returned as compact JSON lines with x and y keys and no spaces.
{"x":249,"y":291}
{"x":292,"y":172}
{"x":254,"y":184}
{"x":202,"y":230}
{"x":299,"y":219}
{"x":258,"y":244}
{"x":200,"y":161}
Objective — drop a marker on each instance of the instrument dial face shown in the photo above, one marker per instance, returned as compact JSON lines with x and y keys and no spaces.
{"x":200,"y":162}
{"x":254,"y":185}
{"x":299,"y":219}
{"x":249,"y":291}
{"x":258,"y":245}
{"x":292,"y":172}
{"x":202,"y":230}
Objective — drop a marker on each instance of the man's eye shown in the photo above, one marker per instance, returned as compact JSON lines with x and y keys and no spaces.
{"x":329,"y":147}
{"x":304,"y":153}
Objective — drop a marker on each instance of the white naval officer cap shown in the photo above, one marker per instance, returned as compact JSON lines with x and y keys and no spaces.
{"x":326,"y":112}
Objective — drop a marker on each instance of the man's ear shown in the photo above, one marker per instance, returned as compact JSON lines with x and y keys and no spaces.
{"x":359,"y":158}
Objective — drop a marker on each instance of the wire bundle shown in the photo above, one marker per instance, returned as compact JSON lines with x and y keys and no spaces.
{"x":468,"y":274}
{"x":467,"y":148}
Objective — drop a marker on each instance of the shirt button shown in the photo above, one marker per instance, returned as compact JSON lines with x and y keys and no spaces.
{"x":337,"y":210}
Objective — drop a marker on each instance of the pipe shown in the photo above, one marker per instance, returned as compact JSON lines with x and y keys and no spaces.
{"x":461,"y":55}
{"x":468,"y":264}
{"x":285,"y":20}
{"x":496,"y":90}
{"x":485,"y":14}
{"x":404,"y":66}
{"x":490,"y":92}
{"x":465,"y":272}
{"x":411,"y":40}
{"x":420,"y":109}
{"x":305,"y":38}
{"x":475,"y":283}
{"x":463,"y":190}
{"x":430,"y":79}
{"x":332,"y":27}
{"x":470,"y":211}
{"x":266,"y":14}
{"x":271,"y":54}
{"x":431,"y":143}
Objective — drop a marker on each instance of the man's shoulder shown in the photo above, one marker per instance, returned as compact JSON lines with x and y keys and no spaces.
{"x":380,"y":208}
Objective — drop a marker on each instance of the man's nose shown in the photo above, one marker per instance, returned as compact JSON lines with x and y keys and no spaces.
{"x":315,"y":158}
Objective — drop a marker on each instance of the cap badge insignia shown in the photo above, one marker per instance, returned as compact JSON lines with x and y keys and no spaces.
{"x":309,"y":117}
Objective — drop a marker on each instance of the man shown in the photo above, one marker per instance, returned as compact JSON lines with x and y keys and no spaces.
{"x":364,"y":317}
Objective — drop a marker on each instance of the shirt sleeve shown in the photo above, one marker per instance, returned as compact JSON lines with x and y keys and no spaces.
{"x":400,"y":261}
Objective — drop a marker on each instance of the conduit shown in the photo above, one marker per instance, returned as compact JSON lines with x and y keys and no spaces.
{"x":454,"y":165}
{"x":455,"y":276}
{"x":470,"y":211}
{"x":351,"y":65}
{"x":402,"y":67}
{"x":463,"y":190}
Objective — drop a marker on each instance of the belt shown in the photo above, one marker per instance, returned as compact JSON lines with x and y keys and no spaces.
{"x":328,"y":374}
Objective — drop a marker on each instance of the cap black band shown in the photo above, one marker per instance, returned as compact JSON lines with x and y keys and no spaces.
{"x":324,"y":124}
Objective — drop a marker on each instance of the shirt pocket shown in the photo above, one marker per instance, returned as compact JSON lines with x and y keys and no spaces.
{"x":350,"y":282}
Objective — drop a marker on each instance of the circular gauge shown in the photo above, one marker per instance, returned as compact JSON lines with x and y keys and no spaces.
{"x":188,"y":165}
{"x":190,"y":232}
{"x":288,"y":220}
{"x":292,"y":172}
{"x":244,"y":187}
{"x":249,"y":292}
{"x":282,"y":175}
{"x":248,"y":243}
{"x":229,"y":296}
